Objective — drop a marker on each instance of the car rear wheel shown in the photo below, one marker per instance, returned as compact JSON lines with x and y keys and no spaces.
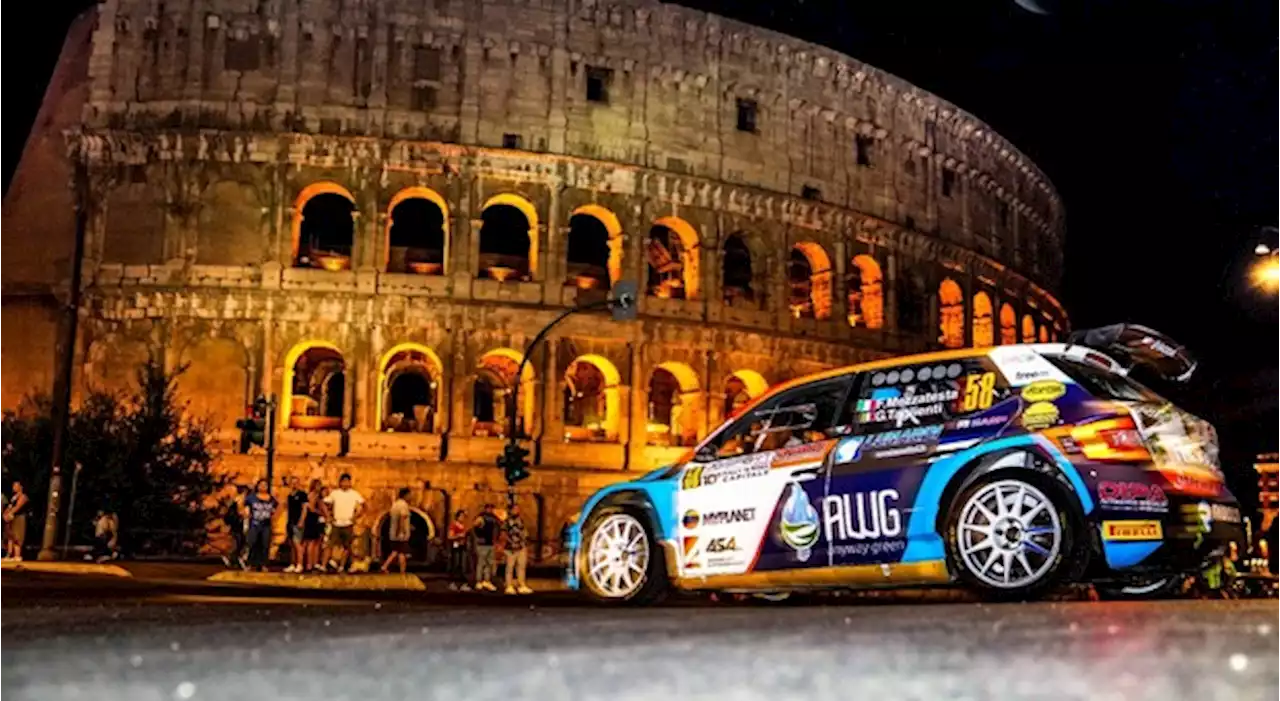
{"x":621,"y":559}
{"x":1008,"y":535}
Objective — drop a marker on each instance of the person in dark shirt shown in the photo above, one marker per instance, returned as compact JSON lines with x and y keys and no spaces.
{"x":261,"y":506}
{"x":486,"y":534}
{"x":233,"y":516}
{"x":517,"y":552}
{"x":297,"y":500}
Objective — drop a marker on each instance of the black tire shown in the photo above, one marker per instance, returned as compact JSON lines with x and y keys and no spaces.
{"x":1059,"y":564}
{"x":1155,"y":587}
{"x":654,"y":585}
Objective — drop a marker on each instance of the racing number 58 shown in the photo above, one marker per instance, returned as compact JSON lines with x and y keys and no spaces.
{"x":979,"y":391}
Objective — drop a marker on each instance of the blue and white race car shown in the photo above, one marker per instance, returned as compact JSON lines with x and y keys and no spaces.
{"x":1009,"y":469}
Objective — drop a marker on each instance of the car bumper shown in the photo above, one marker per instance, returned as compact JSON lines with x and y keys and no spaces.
{"x":1180,"y":540}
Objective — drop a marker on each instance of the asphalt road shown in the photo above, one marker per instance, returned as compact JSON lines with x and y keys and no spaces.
{"x":68,"y":638}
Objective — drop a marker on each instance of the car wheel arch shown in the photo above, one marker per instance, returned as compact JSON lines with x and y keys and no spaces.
{"x":1013,"y":458}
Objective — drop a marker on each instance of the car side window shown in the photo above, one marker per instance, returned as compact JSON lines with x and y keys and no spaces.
{"x":801,"y":415}
{"x":924,"y":394}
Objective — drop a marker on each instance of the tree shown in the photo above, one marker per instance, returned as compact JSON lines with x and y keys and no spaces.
{"x":141,"y":457}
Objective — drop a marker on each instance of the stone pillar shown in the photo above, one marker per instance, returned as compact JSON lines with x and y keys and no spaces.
{"x":469,"y":111}
{"x":710,"y":389}
{"x":560,"y":81}
{"x":458,"y":368}
{"x":637,"y":408}
{"x":552,"y":419}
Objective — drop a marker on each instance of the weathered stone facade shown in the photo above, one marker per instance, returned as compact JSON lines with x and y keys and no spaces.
{"x":207,"y":131}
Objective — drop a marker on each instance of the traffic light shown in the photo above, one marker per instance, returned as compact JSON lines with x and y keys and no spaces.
{"x":514,"y":463}
{"x":253,"y":428}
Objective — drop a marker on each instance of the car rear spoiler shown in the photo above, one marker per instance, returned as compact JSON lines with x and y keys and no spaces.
{"x":1131,"y":344}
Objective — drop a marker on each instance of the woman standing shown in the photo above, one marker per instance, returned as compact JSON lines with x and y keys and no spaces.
{"x":312,"y":527}
{"x":261,"y":506}
{"x":15,"y":518}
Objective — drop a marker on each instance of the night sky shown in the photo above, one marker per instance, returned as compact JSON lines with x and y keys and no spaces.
{"x":1156,"y":121}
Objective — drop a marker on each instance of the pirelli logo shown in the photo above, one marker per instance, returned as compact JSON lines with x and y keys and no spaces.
{"x":1132,"y":530}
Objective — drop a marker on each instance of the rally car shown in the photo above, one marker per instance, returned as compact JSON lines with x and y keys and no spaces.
{"x":1009,"y":469}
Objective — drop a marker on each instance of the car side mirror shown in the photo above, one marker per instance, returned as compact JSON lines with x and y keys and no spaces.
{"x":706,"y":453}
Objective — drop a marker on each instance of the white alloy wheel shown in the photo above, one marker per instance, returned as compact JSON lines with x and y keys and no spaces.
{"x":1009,"y":534}
{"x":618,"y":556}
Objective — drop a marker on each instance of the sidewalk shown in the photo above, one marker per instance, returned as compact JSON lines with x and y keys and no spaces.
{"x":70,"y":568}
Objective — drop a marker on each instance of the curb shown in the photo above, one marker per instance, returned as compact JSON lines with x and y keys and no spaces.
{"x":335,"y":582}
{"x":72,"y":568}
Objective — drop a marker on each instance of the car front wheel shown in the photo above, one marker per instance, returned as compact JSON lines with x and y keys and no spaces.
{"x":1008,"y":535}
{"x":621,"y":559}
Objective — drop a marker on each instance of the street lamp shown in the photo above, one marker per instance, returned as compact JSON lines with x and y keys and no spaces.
{"x":1265,"y":271}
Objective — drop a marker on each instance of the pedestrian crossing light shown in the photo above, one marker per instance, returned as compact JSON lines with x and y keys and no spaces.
{"x":514,"y":463}
{"x":253,"y":428}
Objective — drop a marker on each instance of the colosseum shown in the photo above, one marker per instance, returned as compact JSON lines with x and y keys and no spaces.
{"x":368,"y":209}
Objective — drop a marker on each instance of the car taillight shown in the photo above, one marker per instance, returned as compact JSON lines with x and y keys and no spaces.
{"x":1115,"y":439}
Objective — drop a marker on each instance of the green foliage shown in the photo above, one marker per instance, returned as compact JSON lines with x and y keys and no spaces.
{"x":140,"y":457}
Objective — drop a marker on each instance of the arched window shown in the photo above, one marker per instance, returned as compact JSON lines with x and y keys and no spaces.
{"x":507,"y":252}
{"x":983,"y":321}
{"x":672,"y":252}
{"x":864,"y":286}
{"x":950,"y":314}
{"x":587,"y":254}
{"x":1008,"y":325}
{"x":416,"y":233}
{"x":736,"y":272}
{"x":324,"y":227}
{"x":1044,"y":333}
{"x":739,"y":389}
{"x":592,"y":410}
{"x":674,"y":406}
{"x":911,"y":301}
{"x":491,"y":395}
{"x":315,"y":388}
{"x":410,"y":389}
{"x":809,"y":273}
{"x":1028,"y":329}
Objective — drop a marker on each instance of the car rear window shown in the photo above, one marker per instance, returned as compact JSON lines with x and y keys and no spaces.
{"x":1103,"y":383}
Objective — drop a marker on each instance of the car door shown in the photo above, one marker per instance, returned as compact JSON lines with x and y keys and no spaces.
{"x":905,"y":419}
{"x":748,"y":500}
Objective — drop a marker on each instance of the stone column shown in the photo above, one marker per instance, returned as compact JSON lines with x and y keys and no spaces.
{"x":633,"y":431}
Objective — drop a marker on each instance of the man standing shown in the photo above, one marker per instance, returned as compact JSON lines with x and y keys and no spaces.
{"x":486,"y":532}
{"x":261,"y":506}
{"x":345,"y":505}
{"x":457,"y":537}
{"x":517,"y":552}
{"x":297,"y":500}
{"x":399,"y":528}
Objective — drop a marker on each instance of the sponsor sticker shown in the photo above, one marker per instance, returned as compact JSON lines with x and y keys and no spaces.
{"x":801,"y":453}
{"x":849,"y":450}
{"x":1132,"y":496}
{"x":1224,"y":513}
{"x":722,"y":545}
{"x":861,"y":516}
{"x":981,"y":422}
{"x":691,"y":520}
{"x":688,"y":545}
{"x":798,"y":525}
{"x":730,"y":470}
{"x":1043,"y":391}
{"x":1132,"y":530}
{"x":1039,"y":415}
{"x":729,"y":516}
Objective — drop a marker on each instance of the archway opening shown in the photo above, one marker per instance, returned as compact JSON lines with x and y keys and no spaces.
{"x":983,"y":321}
{"x":865,"y":289}
{"x":672,"y":253}
{"x":587,"y":254}
{"x":736,"y":272}
{"x":809,"y":274}
{"x":317,"y":393}
{"x":416,"y":238}
{"x":420,"y":533}
{"x":1044,"y":333}
{"x":674,"y":406}
{"x":1008,"y":325}
{"x":739,"y":389}
{"x":506,"y":248}
{"x":1028,"y":329}
{"x":950,"y":314}
{"x":491,"y":395}
{"x":410,"y":390}
{"x":592,"y":408}
{"x":326,"y":232}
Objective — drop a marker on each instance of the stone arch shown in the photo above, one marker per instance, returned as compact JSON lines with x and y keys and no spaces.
{"x":674,"y":405}
{"x":673,"y":250}
{"x":737,"y":274}
{"x":593,"y":249}
{"x":114,"y":361}
{"x":1028,"y":329}
{"x":1008,"y":325}
{"x":409,"y":377}
{"x":216,"y":382}
{"x":508,"y":238}
{"x":1043,"y":335}
{"x":950,"y":314}
{"x":314,"y":386}
{"x":417,"y":235}
{"x":865,"y":289}
{"x":592,"y":401}
{"x":984,"y":333}
{"x":229,"y":225}
{"x":422,"y":530}
{"x":324,"y":226}
{"x":740,"y":388}
{"x":495,"y":377}
{"x":809,"y":274}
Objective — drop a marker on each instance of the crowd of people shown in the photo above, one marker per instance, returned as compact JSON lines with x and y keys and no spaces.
{"x":322,"y":535}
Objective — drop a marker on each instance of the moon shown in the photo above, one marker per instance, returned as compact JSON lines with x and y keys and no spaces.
{"x":1032,"y":6}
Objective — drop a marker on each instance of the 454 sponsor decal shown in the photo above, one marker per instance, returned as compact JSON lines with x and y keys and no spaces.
{"x":714,"y":552}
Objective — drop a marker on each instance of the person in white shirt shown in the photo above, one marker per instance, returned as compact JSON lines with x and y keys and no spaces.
{"x":345,"y":505}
